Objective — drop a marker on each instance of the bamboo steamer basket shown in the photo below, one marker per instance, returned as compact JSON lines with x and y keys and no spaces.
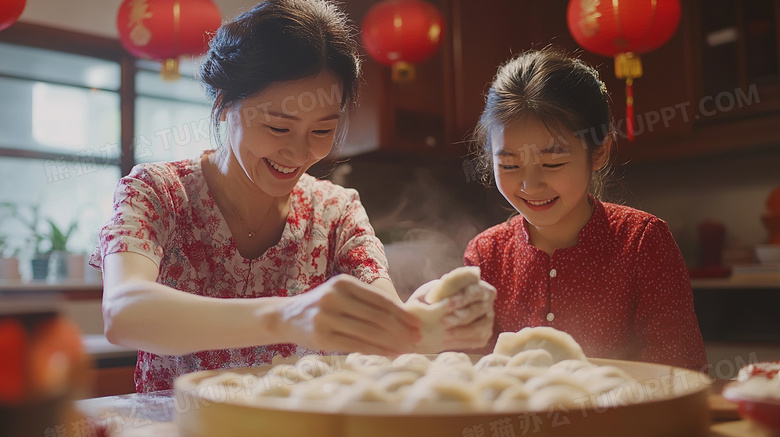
{"x":674,"y":404}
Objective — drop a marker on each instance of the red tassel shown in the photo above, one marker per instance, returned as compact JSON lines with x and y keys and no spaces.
{"x":630,"y":108}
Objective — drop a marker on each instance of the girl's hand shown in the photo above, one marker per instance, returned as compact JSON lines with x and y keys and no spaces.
{"x":469,"y":319}
{"x":347,"y":315}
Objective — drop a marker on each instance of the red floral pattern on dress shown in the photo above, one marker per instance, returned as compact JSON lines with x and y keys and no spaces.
{"x":166,"y":212}
{"x":622,"y":292}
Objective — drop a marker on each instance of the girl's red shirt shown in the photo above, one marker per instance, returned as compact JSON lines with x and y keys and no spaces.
{"x":622,"y":292}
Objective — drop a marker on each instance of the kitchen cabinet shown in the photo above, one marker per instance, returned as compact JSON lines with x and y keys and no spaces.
{"x":436,"y":112}
{"x":696,"y":96}
{"x":714,"y":87}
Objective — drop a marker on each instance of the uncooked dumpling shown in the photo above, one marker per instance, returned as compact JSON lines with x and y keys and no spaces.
{"x":598,"y":379}
{"x":561,"y":345}
{"x":365,"y":390}
{"x":554,"y":389}
{"x":226,"y":385}
{"x":432,"y":391}
{"x":571,"y":366}
{"x":273,"y":386}
{"x":285,"y":372}
{"x":528,"y":380}
{"x":531,"y":357}
{"x":357,"y":361}
{"x":513,"y":398}
{"x":458,"y":370}
{"x":391,"y":383}
{"x":313,"y":366}
{"x":523,"y":373}
{"x":412,"y":359}
{"x":491,"y":360}
{"x":491,"y":385}
{"x":452,"y":358}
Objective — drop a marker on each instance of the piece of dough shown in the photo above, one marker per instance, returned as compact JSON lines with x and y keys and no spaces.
{"x":453,"y":282}
{"x":561,"y":345}
{"x":437,"y":306}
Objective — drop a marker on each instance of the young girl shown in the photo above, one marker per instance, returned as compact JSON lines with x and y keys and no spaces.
{"x":235,"y":256}
{"x":609,"y":275}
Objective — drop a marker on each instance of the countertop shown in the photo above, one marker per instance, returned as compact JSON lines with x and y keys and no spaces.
{"x":105,"y":354}
{"x":154,"y":415}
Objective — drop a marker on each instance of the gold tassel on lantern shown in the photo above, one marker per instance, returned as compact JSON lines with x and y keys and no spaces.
{"x":169,"y":70}
{"x":403,"y":72}
{"x":628,"y":66}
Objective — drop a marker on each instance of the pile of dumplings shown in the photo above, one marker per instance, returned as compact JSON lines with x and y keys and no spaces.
{"x":534,"y":369}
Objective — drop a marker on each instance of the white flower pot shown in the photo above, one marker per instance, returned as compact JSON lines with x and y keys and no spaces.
{"x":9,"y":269}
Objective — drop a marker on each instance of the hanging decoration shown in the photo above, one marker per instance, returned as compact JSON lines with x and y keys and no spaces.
{"x":400,"y":33}
{"x":10,"y":10}
{"x":623,"y":29}
{"x":165,"y":30}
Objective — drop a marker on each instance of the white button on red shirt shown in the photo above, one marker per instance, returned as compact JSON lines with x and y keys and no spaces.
{"x":553,"y":273}
{"x":550,"y":317}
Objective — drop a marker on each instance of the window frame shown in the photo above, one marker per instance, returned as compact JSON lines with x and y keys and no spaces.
{"x":60,"y":40}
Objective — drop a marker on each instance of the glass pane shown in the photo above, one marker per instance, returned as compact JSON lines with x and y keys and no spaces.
{"x":149,"y":83}
{"x":169,"y":130}
{"x":66,"y":68}
{"x":57,"y":118}
{"x":65,"y":192}
{"x":761,"y":42}
{"x":720,"y":37}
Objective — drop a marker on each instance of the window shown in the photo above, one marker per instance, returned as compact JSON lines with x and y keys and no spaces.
{"x":172,"y":119}
{"x":71,"y":124}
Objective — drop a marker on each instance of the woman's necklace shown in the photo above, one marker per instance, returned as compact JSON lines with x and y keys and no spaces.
{"x":249,"y":232}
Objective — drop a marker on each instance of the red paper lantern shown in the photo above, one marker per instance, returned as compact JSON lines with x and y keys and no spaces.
{"x":10,"y":10}
{"x":402,"y":32}
{"x":623,"y":29}
{"x":164,"y":30}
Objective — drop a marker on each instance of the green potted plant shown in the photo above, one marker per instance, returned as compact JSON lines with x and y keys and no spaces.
{"x":40,"y":257}
{"x":59,"y":248}
{"x":30,"y":217}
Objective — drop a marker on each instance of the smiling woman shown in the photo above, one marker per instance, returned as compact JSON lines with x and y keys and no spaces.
{"x":237,"y":255}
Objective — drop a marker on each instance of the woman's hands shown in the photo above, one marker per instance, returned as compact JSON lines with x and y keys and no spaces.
{"x":468,"y":321}
{"x":347,"y":315}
